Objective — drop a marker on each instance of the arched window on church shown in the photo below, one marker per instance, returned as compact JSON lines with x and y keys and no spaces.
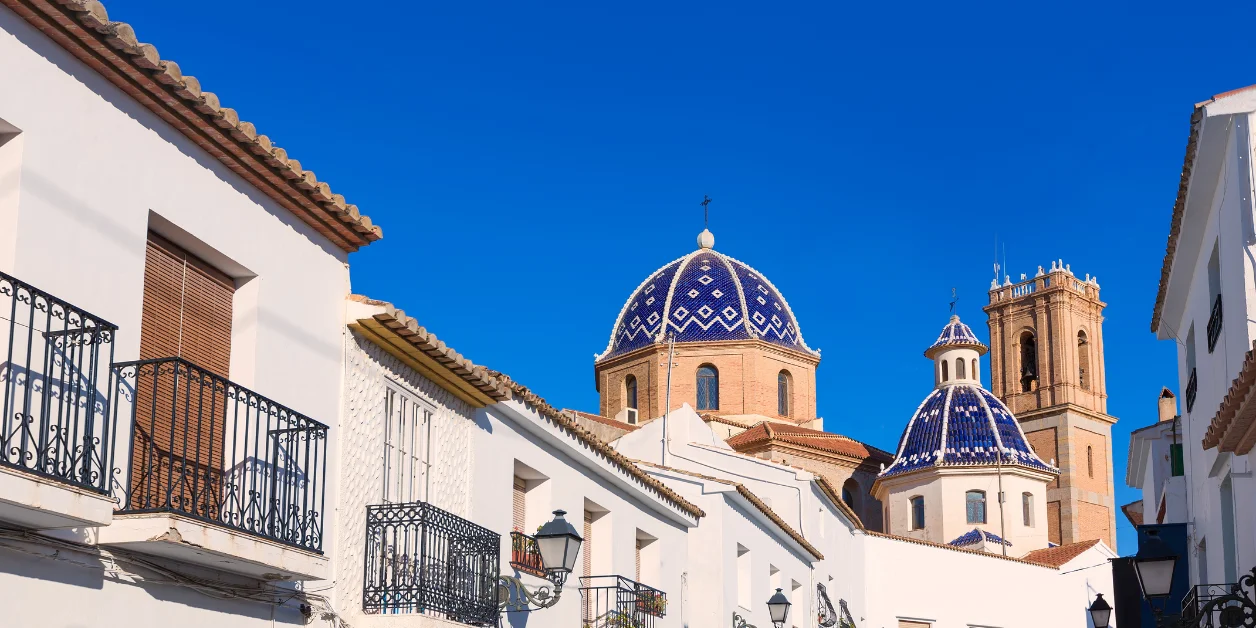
{"x":918,"y":513}
{"x":1027,"y":509}
{"x":1083,"y":361}
{"x":975,"y":369}
{"x":945,"y":374}
{"x":708,"y":388}
{"x":1028,"y":361}
{"x":976,"y":506}
{"x":960,"y":371}
{"x":630,"y":391}
{"x":783,"y":386}
{"x":850,"y":494}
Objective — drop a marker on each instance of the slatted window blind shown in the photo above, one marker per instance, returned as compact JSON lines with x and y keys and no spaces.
{"x":588,"y":543}
{"x":520,"y":505}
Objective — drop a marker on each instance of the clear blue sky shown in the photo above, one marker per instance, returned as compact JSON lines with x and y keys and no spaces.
{"x":532,"y":164}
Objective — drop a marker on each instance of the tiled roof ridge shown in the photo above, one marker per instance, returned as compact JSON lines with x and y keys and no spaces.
{"x":597,"y":418}
{"x":427,"y":342}
{"x":709,"y":418}
{"x":953,"y":548}
{"x":977,"y":534}
{"x":1179,"y":210}
{"x":750,"y":497}
{"x":1236,"y":397}
{"x":1057,"y":556}
{"x":83,"y":28}
{"x":831,"y":493}
{"x":569,"y":424}
{"x":754,"y":435}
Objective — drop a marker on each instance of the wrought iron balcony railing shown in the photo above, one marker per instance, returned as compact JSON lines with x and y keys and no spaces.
{"x":1192,"y":387}
{"x":1211,"y":605}
{"x":1214,"y":324}
{"x":617,"y":602}
{"x":207,"y":448}
{"x":525,"y":556}
{"x":421,"y":559}
{"x":54,"y":415}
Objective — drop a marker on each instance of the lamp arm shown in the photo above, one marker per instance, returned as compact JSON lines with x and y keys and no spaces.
{"x":514,"y":596}
{"x":740,"y":622}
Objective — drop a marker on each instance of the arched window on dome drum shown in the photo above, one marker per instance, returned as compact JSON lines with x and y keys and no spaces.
{"x":946,"y":377}
{"x":1027,"y":509}
{"x":1028,"y":361}
{"x":782,"y":393}
{"x":1083,"y":361}
{"x":708,"y":388}
{"x":975,"y":369}
{"x":975,"y":502}
{"x":630,"y":392}
{"x":850,"y":494}
{"x":960,"y":371}
{"x":918,"y":513}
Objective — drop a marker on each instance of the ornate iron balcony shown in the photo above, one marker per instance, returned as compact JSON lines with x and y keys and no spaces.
{"x":421,"y":559}
{"x":617,"y":602}
{"x":1214,"y":324}
{"x":207,"y":448}
{"x":525,"y":556}
{"x":1192,"y":387}
{"x":54,"y":415}
{"x":1220,"y":604}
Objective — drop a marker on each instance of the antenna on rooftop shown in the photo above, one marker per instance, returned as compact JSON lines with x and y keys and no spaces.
{"x":996,"y":259}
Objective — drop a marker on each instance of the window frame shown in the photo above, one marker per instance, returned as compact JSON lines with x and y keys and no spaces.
{"x":412,"y":449}
{"x":968,"y":506}
{"x":917,"y":511}
{"x":711,"y":401}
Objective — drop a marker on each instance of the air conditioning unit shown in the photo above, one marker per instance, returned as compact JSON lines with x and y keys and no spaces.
{"x":632,"y":416}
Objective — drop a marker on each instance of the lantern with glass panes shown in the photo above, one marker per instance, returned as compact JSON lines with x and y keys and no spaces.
{"x":558,"y":544}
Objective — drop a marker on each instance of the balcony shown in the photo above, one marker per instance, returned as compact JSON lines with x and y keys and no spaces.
{"x":217,"y":474}
{"x":617,"y":602}
{"x":55,"y":427}
{"x":1208,"y":604}
{"x":1214,"y":324}
{"x":525,"y":557}
{"x":421,"y":559}
{"x":1192,"y":387}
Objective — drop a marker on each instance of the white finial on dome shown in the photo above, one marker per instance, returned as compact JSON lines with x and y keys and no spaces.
{"x":706,"y":239}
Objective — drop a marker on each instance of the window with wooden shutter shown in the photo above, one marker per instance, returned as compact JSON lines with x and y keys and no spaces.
{"x":588,"y":543}
{"x":180,"y":422}
{"x":520,"y":509}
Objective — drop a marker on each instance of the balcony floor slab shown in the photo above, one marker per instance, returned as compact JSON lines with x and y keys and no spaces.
{"x":35,"y":502}
{"x":191,"y":541}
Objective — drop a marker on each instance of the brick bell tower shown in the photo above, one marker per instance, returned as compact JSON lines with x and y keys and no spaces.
{"x":1046,"y":364}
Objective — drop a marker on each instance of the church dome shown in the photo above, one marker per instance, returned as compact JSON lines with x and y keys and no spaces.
{"x":961,"y":423}
{"x":701,"y":297}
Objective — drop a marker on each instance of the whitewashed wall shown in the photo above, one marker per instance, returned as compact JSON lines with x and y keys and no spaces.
{"x":369,"y":370}
{"x":1218,"y":210}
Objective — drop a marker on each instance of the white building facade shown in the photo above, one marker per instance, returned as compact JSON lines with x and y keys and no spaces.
{"x":173,"y":293}
{"x":1205,"y":303}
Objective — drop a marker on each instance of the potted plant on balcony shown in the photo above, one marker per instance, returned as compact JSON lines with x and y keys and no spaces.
{"x":652,"y":604}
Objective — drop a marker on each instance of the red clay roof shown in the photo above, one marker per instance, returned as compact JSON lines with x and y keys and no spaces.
{"x":1134,"y":512}
{"x":1232,"y":427}
{"x":1058,"y":556}
{"x":766,"y":432}
{"x":597,"y":418}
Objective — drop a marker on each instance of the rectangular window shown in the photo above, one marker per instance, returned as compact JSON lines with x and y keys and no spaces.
{"x":918,"y":513}
{"x":976,"y":502}
{"x":907,"y":623}
{"x":1176,"y":468}
{"x":407,"y":447}
{"x":744,"y":592}
{"x":587,"y":546}
{"x":1027,"y":509}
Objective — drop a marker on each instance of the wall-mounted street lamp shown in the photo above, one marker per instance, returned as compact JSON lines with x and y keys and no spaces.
{"x":778,"y":609}
{"x":558,"y":544}
{"x":1100,"y":612}
{"x":1154,"y":567}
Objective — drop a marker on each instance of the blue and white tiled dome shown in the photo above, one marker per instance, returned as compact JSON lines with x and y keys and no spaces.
{"x":956,"y":334}
{"x":704,"y":296}
{"x":961,"y":424}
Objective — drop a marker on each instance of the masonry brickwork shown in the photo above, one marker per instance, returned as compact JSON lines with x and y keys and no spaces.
{"x":1047,"y":365}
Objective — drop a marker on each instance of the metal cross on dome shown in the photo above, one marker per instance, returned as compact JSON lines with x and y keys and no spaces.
{"x":954,"y":300}
{"x":706,"y":200}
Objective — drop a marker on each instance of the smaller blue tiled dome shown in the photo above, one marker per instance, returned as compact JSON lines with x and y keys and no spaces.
{"x":976,"y":535}
{"x":956,"y":334}
{"x":963,"y":425}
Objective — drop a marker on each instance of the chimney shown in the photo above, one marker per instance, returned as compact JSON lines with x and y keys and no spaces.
{"x":1168,"y":405}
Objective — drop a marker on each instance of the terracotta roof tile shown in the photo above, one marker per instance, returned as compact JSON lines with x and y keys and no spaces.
{"x":1058,"y":556}
{"x":111,"y":48}
{"x":766,"y":432}
{"x":753,"y":499}
{"x":1179,"y":209}
{"x":1232,"y":427}
{"x":1134,"y":512}
{"x":597,"y":418}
